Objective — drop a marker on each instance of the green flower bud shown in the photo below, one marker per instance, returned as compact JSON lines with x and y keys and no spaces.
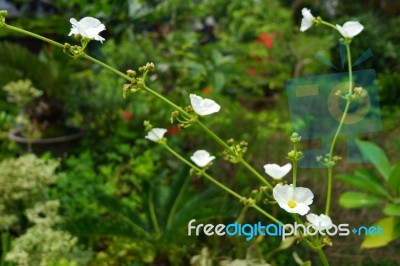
{"x":3,"y":15}
{"x":295,"y":138}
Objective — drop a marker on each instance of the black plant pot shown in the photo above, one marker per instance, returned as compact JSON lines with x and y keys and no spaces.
{"x":59,"y":146}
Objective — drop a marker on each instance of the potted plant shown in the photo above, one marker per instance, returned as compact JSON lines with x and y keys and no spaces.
{"x":41,"y":121}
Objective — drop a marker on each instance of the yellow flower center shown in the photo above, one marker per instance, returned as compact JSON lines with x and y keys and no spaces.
{"x":292,"y":204}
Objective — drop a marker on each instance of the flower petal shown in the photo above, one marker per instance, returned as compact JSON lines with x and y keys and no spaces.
{"x":305,"y":24}
{"x":202,"y":158}
{"x":276,"y":171}
{"x":307,"y":14}
{"x":303,"y":195}
{"x":203,"y":106}
{"x":350,"y":29}
{"x":156,"y":134}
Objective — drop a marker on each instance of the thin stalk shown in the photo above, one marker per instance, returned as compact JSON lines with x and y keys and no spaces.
{"x":176,"y":202}
{"x":295,"y":165}
{"x":243,"y":162}
{"x":255,"y":173}
{"x":258,"y":208}
{"x":207,"y":176}
{"x":332,"y":148}
{"x":322,"y":256}
{"x":34,"y":35}
{"x":153,"y":213}
{"x":328,"y":24}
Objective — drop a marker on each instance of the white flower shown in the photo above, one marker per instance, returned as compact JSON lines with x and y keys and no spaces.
{"x":203,"y":106}
{"x":321,"y":222}
{"x":350,"y":29}
{"x":156,"y":134}
{"x":293,"y":200}
{"x":87,"y":27}
{"x":201,"y":158}
{"x":276,"y":171}
{"x":307,"y":20}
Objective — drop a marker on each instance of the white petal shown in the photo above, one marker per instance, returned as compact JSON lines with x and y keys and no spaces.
{"x":321,"y":221}
{"x":303,"y":195}
{"x":203,"y":106}
{"x":87,"y":27}
{"x":201,"y":158}
{"x":156,"y":134}
{"x":276,"y":171}
{"x":282,"y":194}
{"x":305,"y":24}
{"x":307,"y":14}
{"x":301,"y":209}
{"x":350,"y":29}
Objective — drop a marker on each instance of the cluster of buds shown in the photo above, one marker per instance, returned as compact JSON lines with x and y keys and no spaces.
{"x":75,"y":51}
{"x":136,"y":84}
{"x":328,"y":161}
{"x":185,"y":119}
{"x":248,"y":201}
{"x":235,"y":152}
{"x":358,"y":92}
{"x":295,"y":155}
{"x":148,"y":67}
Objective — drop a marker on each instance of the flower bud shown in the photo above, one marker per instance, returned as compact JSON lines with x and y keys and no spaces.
{"x":150,"y":66}
{"x":358,"y":90}
{"x":295,"y":138}
{"x":292,"y":155}
{"x":3,"y":15}
{"x":131,"y":73}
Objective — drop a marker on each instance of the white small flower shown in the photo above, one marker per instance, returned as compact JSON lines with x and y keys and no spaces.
{"x":201,"y":158}
{"x":350,"y":29}
{"x":293,"y":200}
{"x":156,"y":134}
{"x":276,"y":171}
{"x":203,"y":106}
{"x":321,"y":222}
{"x":307,"y":20}
{"x":87,"y":27}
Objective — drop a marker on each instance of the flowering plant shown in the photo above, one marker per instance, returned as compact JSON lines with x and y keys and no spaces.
{"x":289,"y":196}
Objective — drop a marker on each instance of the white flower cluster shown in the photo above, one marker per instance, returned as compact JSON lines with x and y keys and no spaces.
{"x":349,"y":29}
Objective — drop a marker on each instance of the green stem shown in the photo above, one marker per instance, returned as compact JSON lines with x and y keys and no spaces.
{"x":213,"y":135}
{"x":332,"y":148}
{"x":329,"y":191}
{"x":328,"y":24}
{"x":255,"y":173}
{"x":34,"y":35}
{"x":222,"y":186}
{"x":154,"y":93}
{"x":243,"y":162}
{"x":322,"y":256}
{"x":207,"y":176}
{"x":295,"y":165}
{"x":119,"y":73}
{"x":153,"y":213}
{"x":176,"y":202}
{"x":258,"y":208}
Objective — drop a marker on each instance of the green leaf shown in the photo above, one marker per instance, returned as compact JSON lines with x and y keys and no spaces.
{"x":389,"y":233}
{"x":394,"y":178}
{"x":354,"y":200}
{"x":365,"y":180}
{"x":392,"y":210}
{"x":376,"y":156}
